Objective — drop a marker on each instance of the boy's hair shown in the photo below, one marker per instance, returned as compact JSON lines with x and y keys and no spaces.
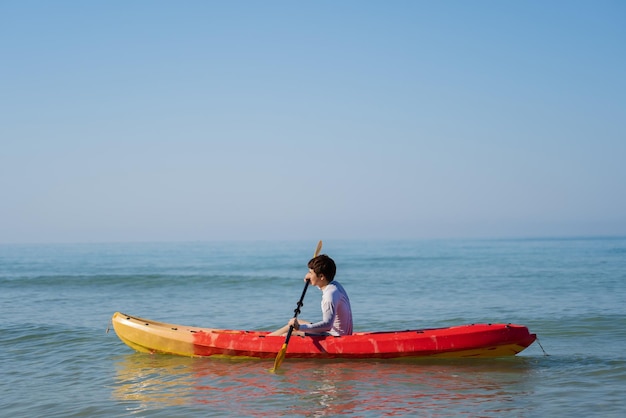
{"x":323,"y":265}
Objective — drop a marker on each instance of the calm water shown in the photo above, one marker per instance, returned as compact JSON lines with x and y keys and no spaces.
{"x":56,"y":302}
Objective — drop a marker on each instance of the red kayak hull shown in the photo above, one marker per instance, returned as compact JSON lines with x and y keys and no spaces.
{"x":475,"y":340}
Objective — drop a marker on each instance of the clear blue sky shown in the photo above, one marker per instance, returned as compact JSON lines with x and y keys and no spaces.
{"x":206,"y":120}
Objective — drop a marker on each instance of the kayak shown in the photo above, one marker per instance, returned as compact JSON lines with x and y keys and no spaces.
{"x":473,"y":340}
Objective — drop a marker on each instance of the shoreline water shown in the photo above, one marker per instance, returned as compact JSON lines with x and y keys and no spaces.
{"x":57,"y":359}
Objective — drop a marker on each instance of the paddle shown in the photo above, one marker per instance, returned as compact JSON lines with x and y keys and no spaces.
{"x":281,"y":354}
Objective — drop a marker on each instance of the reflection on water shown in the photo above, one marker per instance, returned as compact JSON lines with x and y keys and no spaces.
{"x":319,"y":388}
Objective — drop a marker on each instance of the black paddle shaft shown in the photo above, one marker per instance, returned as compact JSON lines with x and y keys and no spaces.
{"x":297,"y":310}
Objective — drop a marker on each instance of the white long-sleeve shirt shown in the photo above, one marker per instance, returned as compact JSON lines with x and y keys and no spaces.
{"x":336,"y":312}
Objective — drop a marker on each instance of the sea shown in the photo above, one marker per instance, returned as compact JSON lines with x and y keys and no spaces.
{"x":60,"y":357}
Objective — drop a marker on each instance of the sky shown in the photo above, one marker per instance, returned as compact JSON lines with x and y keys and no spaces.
{"x":125,"y":121}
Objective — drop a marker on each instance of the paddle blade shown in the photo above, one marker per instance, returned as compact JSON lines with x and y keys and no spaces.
{"x":318,"y":249}
{"x":279,"y":358}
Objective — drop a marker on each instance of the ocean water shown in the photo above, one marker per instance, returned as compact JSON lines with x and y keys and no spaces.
{"x":57,"y":359}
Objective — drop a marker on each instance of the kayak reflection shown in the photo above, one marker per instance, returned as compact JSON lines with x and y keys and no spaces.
{"x":308,"y":387}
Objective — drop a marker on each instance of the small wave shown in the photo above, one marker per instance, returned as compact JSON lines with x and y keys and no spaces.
{"x":145,"y":280}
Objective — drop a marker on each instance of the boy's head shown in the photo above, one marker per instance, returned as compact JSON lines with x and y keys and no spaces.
{"x":323,"y":265}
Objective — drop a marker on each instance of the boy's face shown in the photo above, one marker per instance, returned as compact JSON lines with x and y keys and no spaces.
{"x":314,"y":278}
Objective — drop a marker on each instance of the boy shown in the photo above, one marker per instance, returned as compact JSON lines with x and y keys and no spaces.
{"x":336,"y":311}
